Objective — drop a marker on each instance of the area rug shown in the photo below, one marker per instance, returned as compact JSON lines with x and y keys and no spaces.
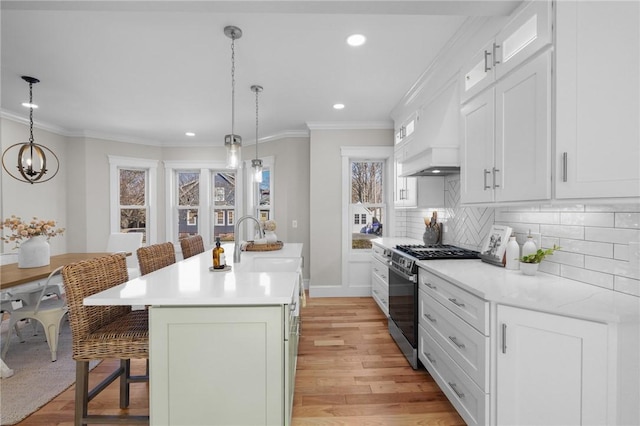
{"x":36,"y":380}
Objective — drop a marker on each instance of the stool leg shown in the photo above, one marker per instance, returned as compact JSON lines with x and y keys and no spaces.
{"x":82,"y":392}
{"x":125,"y":365}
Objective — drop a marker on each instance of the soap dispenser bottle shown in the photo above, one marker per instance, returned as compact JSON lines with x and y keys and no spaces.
{"x":529,"y":246}
{"x":513,"y":253}
{"x":217,"y":254}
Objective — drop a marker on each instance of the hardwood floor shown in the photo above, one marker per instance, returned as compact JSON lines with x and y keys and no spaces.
{"x":350,"y":372}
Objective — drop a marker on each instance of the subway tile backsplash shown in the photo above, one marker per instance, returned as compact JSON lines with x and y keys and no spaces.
{"x":599,"y":241}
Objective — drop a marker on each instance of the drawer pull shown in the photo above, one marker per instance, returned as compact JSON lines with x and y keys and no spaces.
{"x":430,"y":318}
{"x":454,"y":339}
{"x":455,"y":302}
{"x":431,"y":286}
{"x":430,"y":358}
{"x":454,"y":387}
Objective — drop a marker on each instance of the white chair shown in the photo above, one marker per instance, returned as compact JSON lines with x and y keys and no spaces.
{"x":28,"y":295}
{"x":48,"y":312}
{"x":128,"y":243}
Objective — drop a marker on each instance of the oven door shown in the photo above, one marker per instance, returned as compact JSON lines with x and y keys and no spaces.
{"x":403,"y":312}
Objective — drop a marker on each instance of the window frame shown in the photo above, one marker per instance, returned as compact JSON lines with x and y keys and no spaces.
{"x":117,"y":163}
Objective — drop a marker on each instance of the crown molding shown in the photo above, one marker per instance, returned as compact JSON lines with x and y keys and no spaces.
{"x":353,"y":125}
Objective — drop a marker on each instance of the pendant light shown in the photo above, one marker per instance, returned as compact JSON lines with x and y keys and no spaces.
{"x":233,"y":142}
{"x":31,"y":156}
{"x":256,"y":164}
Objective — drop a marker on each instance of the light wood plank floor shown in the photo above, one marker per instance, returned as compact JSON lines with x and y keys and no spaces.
{"x":350,"y":372}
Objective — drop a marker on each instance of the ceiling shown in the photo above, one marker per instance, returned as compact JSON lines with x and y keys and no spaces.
{"x":149,"y":71}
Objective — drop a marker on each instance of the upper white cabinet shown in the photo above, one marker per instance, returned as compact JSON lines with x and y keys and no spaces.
{"x":506,"y":138}
{"x":551,"y":369}
{"x":597,"y":99}
{"x":527,"y":33}
{"x":405,"y":188}
{"x":404,"y":131}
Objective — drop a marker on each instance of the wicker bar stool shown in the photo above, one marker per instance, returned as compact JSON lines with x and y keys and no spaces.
{"x":155,"y":256}
{"x":103,"y":332}
{"x":192,"y":246}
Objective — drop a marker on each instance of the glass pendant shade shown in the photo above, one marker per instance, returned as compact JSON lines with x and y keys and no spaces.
{"x":233,"y":150}
{"x":256,"y":164}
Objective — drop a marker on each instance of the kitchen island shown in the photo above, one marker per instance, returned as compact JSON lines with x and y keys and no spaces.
{"x":222,"y":345}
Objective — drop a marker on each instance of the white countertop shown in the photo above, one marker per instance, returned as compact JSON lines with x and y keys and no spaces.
{"x":190,"y":283}
{"x":543,"y":292}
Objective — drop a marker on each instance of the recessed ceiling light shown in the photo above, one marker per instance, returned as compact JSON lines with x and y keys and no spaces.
{"x":356,"y":40}
{"x":435,"y":171}
{"x":190,"y":134}
{"x":28,"y":105}
{"x":338,"y":106}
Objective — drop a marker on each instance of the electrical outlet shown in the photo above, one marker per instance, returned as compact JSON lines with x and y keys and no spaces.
{"x":294,"y":224}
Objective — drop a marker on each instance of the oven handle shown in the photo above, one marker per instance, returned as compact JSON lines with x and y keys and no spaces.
{"x":413,"y":278}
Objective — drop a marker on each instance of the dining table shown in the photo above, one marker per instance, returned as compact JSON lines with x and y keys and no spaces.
{"x":12,"y":276}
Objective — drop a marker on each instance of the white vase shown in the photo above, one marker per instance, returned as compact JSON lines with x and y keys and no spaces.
{"x":34,"y":252}
{"x":271,"y":237}
{"x":529,"y":268}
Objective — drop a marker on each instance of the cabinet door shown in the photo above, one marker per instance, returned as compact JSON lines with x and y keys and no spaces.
{"x":551,"y":370}
{"x":477,"y":149}
{"x":405,"y":194}
{"x":527,"y":33}
{"x":478,"y":73}
{"x":598,"y":99}
{"x":523,"y":133}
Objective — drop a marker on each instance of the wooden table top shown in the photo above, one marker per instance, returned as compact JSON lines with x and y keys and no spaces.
{"x":11,"y":275}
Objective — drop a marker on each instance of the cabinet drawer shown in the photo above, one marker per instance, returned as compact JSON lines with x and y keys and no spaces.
{"x":463,"y":343}
{"x":470,"y":401}
{"x":470,"y":308}
{"x":380,"y":293}
{"x":380,"y":270}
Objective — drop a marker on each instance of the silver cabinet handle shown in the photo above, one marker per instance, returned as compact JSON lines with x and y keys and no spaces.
{"x":486,"y":172}
{"x":430,"y":318}
{"x":495,"y":57}
{"x":565,"y":159}
{"x":487,"y":68}
{"x":430,"y":358}
{"x":504,"y":338}
{"x":454,"y":339}
{"x":455,"y":302}
{"x":494,"y":177}
{"x":454,"y":387}
{"x":431,"y":286}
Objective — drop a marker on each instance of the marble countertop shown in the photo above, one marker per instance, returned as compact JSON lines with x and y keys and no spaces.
{"x":543,"y":292}
{"x":190,"y":283}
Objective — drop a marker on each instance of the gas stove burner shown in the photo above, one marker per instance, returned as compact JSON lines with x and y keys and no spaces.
{"x":437,"y":251}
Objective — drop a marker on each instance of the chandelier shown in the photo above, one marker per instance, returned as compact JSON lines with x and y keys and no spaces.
{"x":31,"y":157}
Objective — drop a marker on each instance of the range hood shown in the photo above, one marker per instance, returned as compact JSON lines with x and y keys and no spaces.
{"x":435,"y":161}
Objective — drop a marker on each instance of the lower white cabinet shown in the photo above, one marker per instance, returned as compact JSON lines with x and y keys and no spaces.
{"x":221,"y":365}
{"x":551,"y":370}
{"x":380,"y":283}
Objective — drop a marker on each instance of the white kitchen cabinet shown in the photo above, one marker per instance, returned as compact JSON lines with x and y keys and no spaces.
{"x":597,"y":99}
{"x":521,"y":38}
{"x":405,"y":188}
{"x":380,"y":279}
{"x":506,"y":140}
{"x":240,"y":354}
{"x":550,"y":369}
{"x":405,"y":130}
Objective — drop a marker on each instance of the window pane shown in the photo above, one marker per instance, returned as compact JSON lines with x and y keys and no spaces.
{"x":366,"y":182}
{"x":364,"y":232}
{"x":223,"y":222}
{"x":188,"y":188}
{"x":132,"y":187}
{"x":224,"y":189}
{"x":187,"y":223}
{"x":134,"y":220}
{"x":265,"y":188}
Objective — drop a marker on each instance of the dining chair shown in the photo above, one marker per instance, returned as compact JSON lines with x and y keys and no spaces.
{"x":48,"y":312}
{"x":27,"y":295}
{"x":156,"y":256}
{"x":191,"y":246}
{"x":103,"y":332}
{"x":127,"y":242}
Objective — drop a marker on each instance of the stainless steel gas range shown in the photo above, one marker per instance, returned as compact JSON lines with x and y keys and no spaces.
{"x":403,"y":291}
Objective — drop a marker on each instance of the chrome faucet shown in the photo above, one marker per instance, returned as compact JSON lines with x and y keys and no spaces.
{"x":236,"y":236}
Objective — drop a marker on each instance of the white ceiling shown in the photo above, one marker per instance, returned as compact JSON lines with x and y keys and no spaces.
{"x":149,"y":71}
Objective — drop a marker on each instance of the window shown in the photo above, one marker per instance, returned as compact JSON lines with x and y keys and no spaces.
{"x":132,"y":182}
{"x":188,"y":202}
{"x":261,"y":194}
{"x":224,"y":204}
{"x":367,"y":201}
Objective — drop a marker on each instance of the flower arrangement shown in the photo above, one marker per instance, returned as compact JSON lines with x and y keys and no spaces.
{"x":23,"y":230}
{"x":539,"y":255}
{"x":270,"y":225}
